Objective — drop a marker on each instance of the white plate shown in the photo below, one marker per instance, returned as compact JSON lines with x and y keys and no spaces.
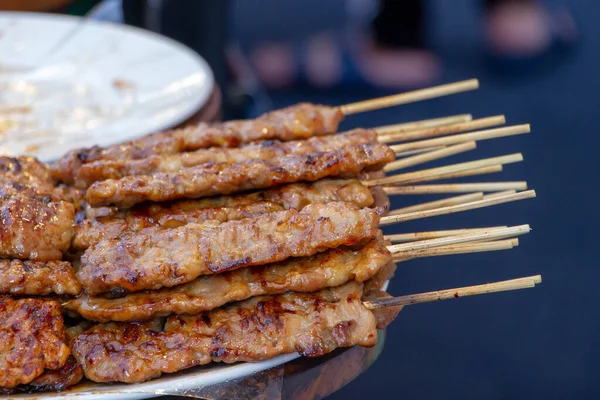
{"x":109,"y":83}
{"x":211,"y":374}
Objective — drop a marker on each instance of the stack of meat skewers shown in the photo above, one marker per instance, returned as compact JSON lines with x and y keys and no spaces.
{"x":185,"y":253}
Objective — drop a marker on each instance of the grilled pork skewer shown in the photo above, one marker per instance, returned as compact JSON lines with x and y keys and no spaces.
{"x":306,"y":274}
{"x":32,"y":339}
{"x":296,"y":122}
{"x":264,"y":150}
{"x":170,"y":257}
{"x":259,"y":328}
{"x":37,"y":278}
{"x":210,"y":180}
{"x":256,"y":329}
{"x":225,"y":208}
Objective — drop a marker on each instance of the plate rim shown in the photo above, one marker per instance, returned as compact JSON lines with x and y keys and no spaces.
{"x":200,"y":99}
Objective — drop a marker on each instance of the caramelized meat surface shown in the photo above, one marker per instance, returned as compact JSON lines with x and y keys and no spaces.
{"x":256,"y":329}
{"x":37,"y":278}
{"x":221,"y":208}
{"x":169,"y":257}
{"x":210,"y":180}
{"x":306,"y":274}
{"x":266,"y":150}
{"x":296,"y":122}
{"x":35,"y":228}
{"x":32,"y":339}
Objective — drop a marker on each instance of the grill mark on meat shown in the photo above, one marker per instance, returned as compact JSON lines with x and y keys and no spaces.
{"x":306,"y":274}
{"x":32,"y":339}
{"x":108,"y":169}
{"x":37,"y":278}
{"x":204,"y":181}
{"x":174,"y":256}
{"x":297,"y":122}
{"x":255,"y":329}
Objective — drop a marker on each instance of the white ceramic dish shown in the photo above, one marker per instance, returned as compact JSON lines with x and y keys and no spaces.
{"x":109,"y":83}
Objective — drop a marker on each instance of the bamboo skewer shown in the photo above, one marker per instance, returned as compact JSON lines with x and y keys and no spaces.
{"x":425,"y":123}
{"x":465,"y":137}
{"x":499,"y":194}
{"x":392,"y":219}
{"x":414,"y":236}
{"x":477,"y":171}
{"x":389,"y":135}
{"x":450,"y":201}
{"x":478,"y":247}
{"x":412,"y":177}
{"x":430,"y":156}
{"x":418,"y":151}
{"x":457,"y":188}
{"x":513,"y":284}
{"x":488,"y":235}
{"x":409,"y":97}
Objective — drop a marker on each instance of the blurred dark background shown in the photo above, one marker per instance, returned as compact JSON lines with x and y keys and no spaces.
{"x":531,"y":344}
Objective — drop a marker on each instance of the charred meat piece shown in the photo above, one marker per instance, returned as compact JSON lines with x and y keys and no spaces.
{"x":172,"y":257}
{"x":221,"y":208}
{"x":210,"y":180}
{"x":296,"y":122}
{"x":37,"y":278}
{"x":266,"y":150}
{"x":32,"y":339}
{"x":35,"y":228}
{"x":306,"y":274}
{"x":256,"y":329}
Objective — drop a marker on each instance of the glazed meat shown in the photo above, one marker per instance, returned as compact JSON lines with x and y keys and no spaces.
{"x":37,"y":278}
{"x":32,"y":339}
{"x":35,"y":228}
{"x":266,"y":150}
{"x":306,"y":274}
{"x":222,"y":208}
{"x":296,"y":122}
{"x":255,"y":329}
{"x":210,"y":180}
{"x":172,"y":257}
{"x":57,"y":380}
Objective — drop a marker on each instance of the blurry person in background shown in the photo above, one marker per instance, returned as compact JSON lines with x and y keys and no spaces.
{"x":390,"y":49}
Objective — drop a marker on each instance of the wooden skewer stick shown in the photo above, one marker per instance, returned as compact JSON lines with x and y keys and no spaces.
{"x":477,"y":171}
{"x":409,"y":97}
{"x":513,"y":284}
{"x":425,"y":123}
{"x":500,"y":194}
{"x":450,"y":201}
{"x":465,"y":137}
{"x":388,"y":135}
{"x":418,"y":151}
{"x":487,"y":236}
{"x":430,"y":156}
{"x":479,"y":247}
{"x":392,"y":219}
{"x":411,"y":177}
{"x":457,"y":188}
{"x":414,"y":236}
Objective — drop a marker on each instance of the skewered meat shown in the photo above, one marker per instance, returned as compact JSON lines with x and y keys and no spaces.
{"x":297,"y":122}
{"x":27,"y":176}
{"x":32,"y":339}
{"x":34,"y":227}
{"x":57,"y":380}
{"x":222,"y":209}
{"x":171,"y":257}
{"x":37,"y":278}
{"x":307,"y":274}
{"x":209,"y":180}
{"x":266,"y":150}
{"x":255,"y":329}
